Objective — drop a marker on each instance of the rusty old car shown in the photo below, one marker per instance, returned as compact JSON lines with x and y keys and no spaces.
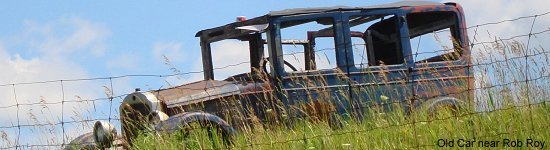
{"x":317,"y":63}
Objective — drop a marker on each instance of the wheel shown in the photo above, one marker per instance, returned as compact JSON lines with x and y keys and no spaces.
{"x":202,"y":134}
{"x":442,"y":106}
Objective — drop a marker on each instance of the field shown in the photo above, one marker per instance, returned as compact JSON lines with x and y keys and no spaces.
{"x":385,"y":131}
{"x":511,"y":111}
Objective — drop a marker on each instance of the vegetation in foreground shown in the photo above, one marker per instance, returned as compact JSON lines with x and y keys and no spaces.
{"x":515,"y":111}
{"x":379,"y":131}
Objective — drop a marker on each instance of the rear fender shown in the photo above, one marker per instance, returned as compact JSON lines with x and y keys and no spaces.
{"x":430,"y":106}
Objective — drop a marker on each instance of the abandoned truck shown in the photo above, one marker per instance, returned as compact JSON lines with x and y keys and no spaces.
{"x":405,"y":55}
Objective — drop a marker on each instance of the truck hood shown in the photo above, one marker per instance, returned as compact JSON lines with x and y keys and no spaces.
{"x":196,"y":92}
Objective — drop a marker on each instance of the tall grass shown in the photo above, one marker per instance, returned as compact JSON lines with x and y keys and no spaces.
{"x":382,"y":131}
{"x":511,"y":102}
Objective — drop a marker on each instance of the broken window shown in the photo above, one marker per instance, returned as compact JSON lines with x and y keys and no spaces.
{"x":359,"y":47}
{"x":230,"y":57}
{"x":433,"y":36}
{"x":323,"y":47}
{"x":375,"y":40}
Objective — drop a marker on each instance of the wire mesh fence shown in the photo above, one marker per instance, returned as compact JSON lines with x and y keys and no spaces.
{"x":510,"y":73}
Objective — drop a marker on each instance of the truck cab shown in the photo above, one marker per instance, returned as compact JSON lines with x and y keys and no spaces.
{"x":404,"y":53}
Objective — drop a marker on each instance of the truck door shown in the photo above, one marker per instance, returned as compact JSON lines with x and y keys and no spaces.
{"x":379,"y":72}
{"x":316,"y":87}
{"x":438,"y":50}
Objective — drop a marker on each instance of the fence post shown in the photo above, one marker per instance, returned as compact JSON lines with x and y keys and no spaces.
{"x":527,"y":73}
{"x":62,"y":112}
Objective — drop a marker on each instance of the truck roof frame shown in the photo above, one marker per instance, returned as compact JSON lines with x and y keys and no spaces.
{"x":230,"y":31}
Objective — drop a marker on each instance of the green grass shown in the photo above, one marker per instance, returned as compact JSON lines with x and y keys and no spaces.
{"x":379,"y":131}
{"x":502,"y":85}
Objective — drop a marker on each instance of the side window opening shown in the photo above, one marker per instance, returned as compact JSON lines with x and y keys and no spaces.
{"x":323,"y":47}
{"x":249,"y":65}
{"x":385,"y":42}
{"x":294,"y":54}
{"x":359,"y":47}
{"x":230,"y":57}
{"x":325,"y":53}
{"x":433,"y":37}
{"x":375,"y":40}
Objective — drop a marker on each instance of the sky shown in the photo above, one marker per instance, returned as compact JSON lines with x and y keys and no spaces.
{"x":62,"y":40}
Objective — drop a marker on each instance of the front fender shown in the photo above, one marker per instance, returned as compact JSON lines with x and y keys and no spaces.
{"x":177,"y":122}
{"x":84,"y":141}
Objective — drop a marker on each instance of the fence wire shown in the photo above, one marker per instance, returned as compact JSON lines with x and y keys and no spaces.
{"x":12,"y":133}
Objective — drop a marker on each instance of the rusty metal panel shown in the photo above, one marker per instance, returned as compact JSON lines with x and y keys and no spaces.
{"x":196,"y":92}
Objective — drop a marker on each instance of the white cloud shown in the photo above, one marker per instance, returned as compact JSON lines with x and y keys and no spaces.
{"x":66,"y":36}
{"x":232,"y":57}
{"x":172,"y":50}
{"x":124,"y":61}
{"x":488,"y":11}
{"x":227,"y":56}
{"x":173,"y":54}
{"x":52,"y":46}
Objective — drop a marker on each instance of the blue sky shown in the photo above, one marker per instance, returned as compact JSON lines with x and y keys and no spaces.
{"x":52,"y":40}
{"x":108,"y":38}
{"x":126,"y":33}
